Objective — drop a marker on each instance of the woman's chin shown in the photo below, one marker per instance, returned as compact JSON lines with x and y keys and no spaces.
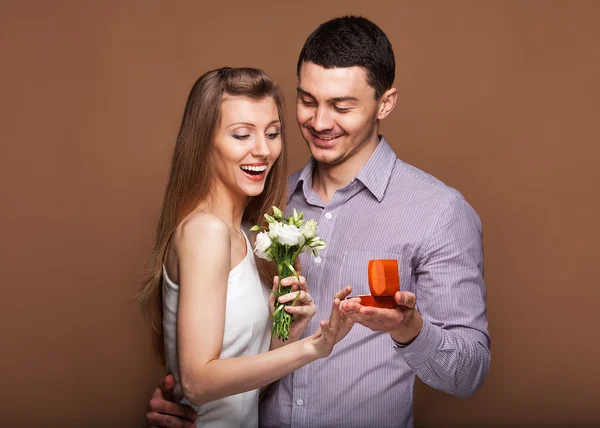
{"x":254,"y":191}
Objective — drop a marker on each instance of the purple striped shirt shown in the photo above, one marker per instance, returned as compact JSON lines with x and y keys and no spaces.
{"x":391,"y":210}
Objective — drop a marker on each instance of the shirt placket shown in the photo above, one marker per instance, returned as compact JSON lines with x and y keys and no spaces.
{"x":320,"y":287}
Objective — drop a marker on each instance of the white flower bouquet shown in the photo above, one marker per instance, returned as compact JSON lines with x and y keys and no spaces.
{"x":282,"y":242}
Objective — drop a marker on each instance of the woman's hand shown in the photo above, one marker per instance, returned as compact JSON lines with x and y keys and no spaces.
{"x":335,"y":328}
{"x":304,"y":308}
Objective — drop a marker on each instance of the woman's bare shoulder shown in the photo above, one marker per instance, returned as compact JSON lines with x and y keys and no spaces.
{"x":199,"y":229}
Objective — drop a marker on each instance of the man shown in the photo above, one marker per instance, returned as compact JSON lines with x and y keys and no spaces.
{"x":371,"y":205}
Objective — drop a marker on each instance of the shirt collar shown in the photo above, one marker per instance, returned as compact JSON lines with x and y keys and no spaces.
{"x":375,"y":173}
{"x":304,"y":178}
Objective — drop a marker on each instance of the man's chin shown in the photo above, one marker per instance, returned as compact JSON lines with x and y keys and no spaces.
{"x":326,"y":158}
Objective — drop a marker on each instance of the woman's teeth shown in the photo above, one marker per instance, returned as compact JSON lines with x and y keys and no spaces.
{"x":254,"y":169}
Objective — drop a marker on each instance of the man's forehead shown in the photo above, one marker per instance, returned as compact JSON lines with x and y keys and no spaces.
{"x":334,"y":82}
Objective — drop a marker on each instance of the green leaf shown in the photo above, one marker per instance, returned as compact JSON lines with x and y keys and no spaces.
{"x":277,"y":310}
{"x":291,"y":268}
{"x":296,"y":298}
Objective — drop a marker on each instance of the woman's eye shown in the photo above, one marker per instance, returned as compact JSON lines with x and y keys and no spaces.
{"x":272,"y":135}
{"x":241,"y":137}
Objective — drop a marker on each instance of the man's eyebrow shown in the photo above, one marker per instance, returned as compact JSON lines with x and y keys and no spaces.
{"x":303,"y":92}
{"x":340,"y":99}
{"x":331,"y":100}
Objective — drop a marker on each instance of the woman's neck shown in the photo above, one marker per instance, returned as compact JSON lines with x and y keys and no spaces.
{"x":228,"y":209}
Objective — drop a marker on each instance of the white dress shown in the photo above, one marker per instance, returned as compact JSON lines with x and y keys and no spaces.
{"x":247,"y":332}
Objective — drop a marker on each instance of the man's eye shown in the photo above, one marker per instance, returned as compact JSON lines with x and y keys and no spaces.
{"x":308,"y":103}
{"x":342,"y":109}
{"x":273,"y":135}
{"x":241,"y":137}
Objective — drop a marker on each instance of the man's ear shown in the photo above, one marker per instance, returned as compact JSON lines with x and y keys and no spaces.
{"x":387,"y":102}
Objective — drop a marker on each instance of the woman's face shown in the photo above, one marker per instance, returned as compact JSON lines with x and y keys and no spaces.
{"x":246,"y":144}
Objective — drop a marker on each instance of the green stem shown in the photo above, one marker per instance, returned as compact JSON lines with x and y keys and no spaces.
{"x":281,"y":319}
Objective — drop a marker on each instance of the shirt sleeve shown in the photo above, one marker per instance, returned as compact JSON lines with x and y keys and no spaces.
{"x":452,"y":351}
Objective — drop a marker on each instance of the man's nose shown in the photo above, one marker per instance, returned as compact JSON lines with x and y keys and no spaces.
{"x":322,"y":121}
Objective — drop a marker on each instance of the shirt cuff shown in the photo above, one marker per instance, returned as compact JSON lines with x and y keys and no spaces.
{"x":423,"y":347}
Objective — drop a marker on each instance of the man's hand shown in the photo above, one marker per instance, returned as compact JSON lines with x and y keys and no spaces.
{"x":163,"y":412}
{"x":403,"y":323}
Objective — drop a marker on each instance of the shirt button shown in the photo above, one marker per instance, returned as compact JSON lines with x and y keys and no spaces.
{"x":328,"y":216}
{"x":317,"y":260}
{"x":300,"y":402}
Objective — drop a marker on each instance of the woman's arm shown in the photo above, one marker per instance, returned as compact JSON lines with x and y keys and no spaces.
{"x":203,"y":251}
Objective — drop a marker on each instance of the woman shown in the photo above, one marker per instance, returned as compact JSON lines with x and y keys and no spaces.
{"x":204,"y":295}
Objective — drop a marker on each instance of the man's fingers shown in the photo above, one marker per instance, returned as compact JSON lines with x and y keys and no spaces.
{"x":155,"y":419}
{"x":159,"y":405}
{"x":406,"y":298}
{"x":169,"y":383}
{"x":164,"y":389}
{"x":158,"y":392}
{"x":167,"y":386}
{"x":351,"y":305}
{"x":363,"y":314}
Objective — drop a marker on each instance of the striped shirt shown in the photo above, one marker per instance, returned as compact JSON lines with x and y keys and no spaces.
{"x":391,"y":210}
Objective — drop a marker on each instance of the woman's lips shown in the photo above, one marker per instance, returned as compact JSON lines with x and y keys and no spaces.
{"x":255,"y":172}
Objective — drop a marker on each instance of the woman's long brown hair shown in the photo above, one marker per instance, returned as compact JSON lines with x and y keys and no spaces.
{"x":191,"y":173}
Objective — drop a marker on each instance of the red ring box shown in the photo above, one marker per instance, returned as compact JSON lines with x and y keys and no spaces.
{"x":383,"y":283}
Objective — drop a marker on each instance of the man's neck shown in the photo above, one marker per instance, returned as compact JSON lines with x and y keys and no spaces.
{"x":327,"y":179}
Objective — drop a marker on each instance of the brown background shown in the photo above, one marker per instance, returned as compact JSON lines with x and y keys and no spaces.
{"x":499,"y":99}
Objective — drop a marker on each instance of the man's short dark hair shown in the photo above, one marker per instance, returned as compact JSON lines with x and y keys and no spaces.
{"x":351,"y":41}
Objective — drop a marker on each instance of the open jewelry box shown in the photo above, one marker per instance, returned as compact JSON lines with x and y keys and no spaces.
{"x":384,"y":282}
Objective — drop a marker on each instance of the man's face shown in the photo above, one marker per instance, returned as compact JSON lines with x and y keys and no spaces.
{"x":337,"y":112}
